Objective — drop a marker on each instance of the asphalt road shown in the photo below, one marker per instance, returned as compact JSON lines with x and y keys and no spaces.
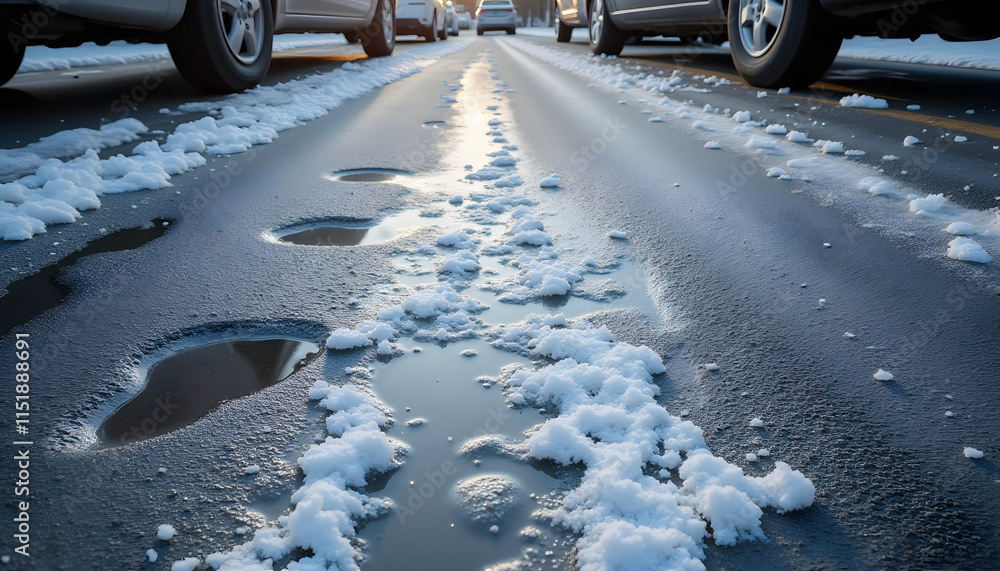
{"x":732,"y":278}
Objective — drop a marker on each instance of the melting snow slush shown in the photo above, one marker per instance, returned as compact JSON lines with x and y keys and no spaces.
{"x":646,"y":493}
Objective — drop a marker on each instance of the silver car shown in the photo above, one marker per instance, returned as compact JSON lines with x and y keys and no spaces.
{"x":776,"y":43}
{"x":219,"y":46}
{"x":496,"y":15}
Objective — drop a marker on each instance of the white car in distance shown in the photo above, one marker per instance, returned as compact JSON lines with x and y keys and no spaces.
{"x":425,"y":18}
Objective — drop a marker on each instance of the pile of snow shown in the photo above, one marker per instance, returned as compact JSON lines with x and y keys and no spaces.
{"x":971,"y":452}
{"x":875,"y":185}
{"x":927,"y":49}
{"x":864,"y":101}
{"x":929,"y":203}
{"x":608,"y":421}
{"x":968,"y":250}
{"x":882,"y":375}
{"x":911,"y":141}
{"x":328,"y":507}
{"x":343,"y":339}
{"x":798,"y":137}
{"x":166,"y":532}
{"x":54,"y":191}
{"x":741,"y":116}
{"x":960,"y":229}
{"x":550,"y":181}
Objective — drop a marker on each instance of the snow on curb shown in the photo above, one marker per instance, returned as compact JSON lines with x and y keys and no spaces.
{"x":58,"y":190}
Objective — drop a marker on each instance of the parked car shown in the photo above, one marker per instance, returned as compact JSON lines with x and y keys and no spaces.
{"x":496,"y":15}
{"x":451,"y":19}
{"x":776,"y":43}
{"x":219,"y":46}
{"x":464,"y":17}
{"x":422,"y":17}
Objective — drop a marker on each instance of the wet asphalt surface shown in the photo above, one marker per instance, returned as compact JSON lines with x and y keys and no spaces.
{"x":725,"y":273}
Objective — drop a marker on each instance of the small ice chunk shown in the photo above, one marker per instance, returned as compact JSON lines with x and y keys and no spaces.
{"x":875,"y":185}
{"x":827,"y":245}
{"x":469,"y":353}
{"x":656,"y":119}
{"x":830,"y":147}
{"x":967,"y":250}
{"x":713,"y":145}
{"x":712,"y":366}
{"x":617,"y":235}
{"x":798,"y":137}
{"x":971,"y":452}
{"x":970,"y":111}
{"x":442,"y":334}
{"x":949,"y":414}
{"x":550,"y":181}
{"x":960,"y":229}
{"x":384,"y":347}
{"x":756,"y":423}
{"x":343,"y":339}
{"x":742,"y":116}
{"x":911,"y":141}
{"x":849,"y":335}
{"x":761,"y":94}
{"x":251,"y":469}
{"x":890,"y":158}
{"x":784,"y":90}
{"x":708,"y":108}
{"x":961,"y":138}
{"x":775,"y":129}
{"x":152,"y":555}
{"x":751,"y":457}
{"x":913,"y":108}
{"x":776,"y":172}
{"x":494,"y":529}
{"x":929,"y":203}
{"x":883,"y":375}
{"x":863,"y":101}
{"x":457,"y":199}
{"x":166,"y":532}
{"x":188,"y":564}
{"x":763,"y":452}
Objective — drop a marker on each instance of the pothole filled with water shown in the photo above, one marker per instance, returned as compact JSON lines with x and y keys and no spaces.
{"x":33,"y":295}
{"x":436,"y":125}
{"x":443,"y":398}
{"x":343,"y":232}
{"x":189,"y":384}
{"x":366,"y":175}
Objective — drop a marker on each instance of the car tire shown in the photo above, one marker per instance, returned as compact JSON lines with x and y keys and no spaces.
{"x":605,"y":37}
{"x":443,"y":32}
{"x":351,"y":37}
{"x":11,"y":56}
{"x":479,"y":32}
{"x":378,"y":38}
{"x":511,"y":31}
{"x":208,"y":59}
{"x":432,"y":29}
{"x":792,"y":47}
{"x":563,"y":32}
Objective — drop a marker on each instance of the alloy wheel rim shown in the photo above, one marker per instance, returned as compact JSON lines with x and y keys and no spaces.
{"x":760,"y":22}
{"x":242,"y":23}
{"x":387,"y":21}
{"x":596,"y":20}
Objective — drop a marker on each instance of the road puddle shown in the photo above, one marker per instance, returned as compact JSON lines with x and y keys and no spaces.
{"x":366,"y":175}
{"x":189,"y":384}
{"x":447,"y":501}
{"x":436,"y":125}
{"x":33,"y":295}
{"x":339,"y":232}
